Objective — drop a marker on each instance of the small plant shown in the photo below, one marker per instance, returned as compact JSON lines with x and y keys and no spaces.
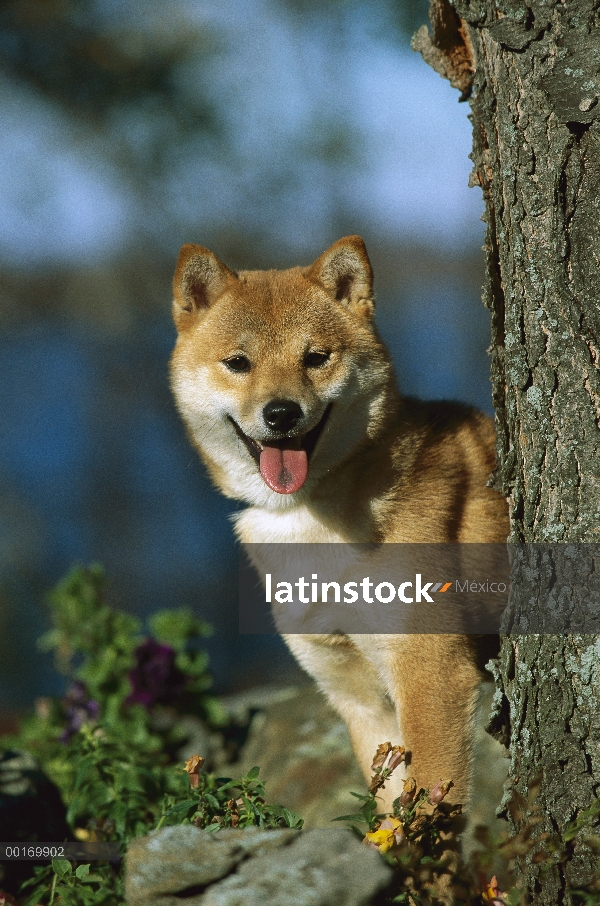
{"x":110,"y":744}
{"x":414,"y":836}
{"x":221,"y":802}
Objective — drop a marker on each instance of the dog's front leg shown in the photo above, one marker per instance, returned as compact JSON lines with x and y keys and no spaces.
{"x":434,"y":682}
{"x":355,"y":689}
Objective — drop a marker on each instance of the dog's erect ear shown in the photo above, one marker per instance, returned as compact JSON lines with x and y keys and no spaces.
{"x":199,"y":280}
{"x":345,"y":271}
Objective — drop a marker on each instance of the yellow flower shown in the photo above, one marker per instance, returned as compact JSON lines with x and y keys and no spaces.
{"x":492,"y":894}
{"x":382,"y":839}
{"x":389,"y":833}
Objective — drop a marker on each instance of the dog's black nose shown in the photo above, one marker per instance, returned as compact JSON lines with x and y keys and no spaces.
{"x":282,"y":415}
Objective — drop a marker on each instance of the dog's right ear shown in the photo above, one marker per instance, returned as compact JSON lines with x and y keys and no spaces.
{"x":199,"y":280}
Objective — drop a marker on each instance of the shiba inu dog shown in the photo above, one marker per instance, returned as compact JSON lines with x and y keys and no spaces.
{"x":290,"y":398}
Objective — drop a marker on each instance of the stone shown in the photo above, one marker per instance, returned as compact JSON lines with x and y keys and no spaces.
{"x":178,"y":858}
{"x":251,"y":867}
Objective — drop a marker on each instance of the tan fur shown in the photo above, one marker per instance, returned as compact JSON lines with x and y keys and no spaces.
{"x":385,"y":469}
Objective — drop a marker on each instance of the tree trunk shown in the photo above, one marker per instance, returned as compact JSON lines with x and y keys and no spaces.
{"x":532,"y":72}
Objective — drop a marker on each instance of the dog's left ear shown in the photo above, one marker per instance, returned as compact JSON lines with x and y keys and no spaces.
{"x":345,"y":271}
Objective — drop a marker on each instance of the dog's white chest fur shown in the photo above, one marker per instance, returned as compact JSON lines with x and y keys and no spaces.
{"x":298,"y":525}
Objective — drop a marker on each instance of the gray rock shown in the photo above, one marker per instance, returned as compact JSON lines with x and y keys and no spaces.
{"x":168,"y":861}
{"x":252,"y":867}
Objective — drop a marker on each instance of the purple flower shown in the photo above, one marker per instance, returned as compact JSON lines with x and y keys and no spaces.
{"x":79,"y":709}
{"x":155,"y":678}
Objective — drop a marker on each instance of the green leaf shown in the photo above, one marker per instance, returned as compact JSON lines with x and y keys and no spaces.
{"x":216,"y":714}
{"x":176,"y":627}
{"x":292,"y":819}
{"x":36,"y":897}
{"x":194,"y":663}
{"x":253,"y":773}
{"x":85,"y":764}
{"x":349,"y":818}
{"x":93,"y":879}
{"x":62,"y":868}
{"x":181,"y":810}
{"x":226,"y":783}
{"x":82,"y":871}
{"x":592,"y":842}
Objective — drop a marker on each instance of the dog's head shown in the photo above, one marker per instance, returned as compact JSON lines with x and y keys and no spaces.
{"x":279,"y":375}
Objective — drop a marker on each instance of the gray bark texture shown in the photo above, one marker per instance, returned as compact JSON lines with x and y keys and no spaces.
{"x":532,"y":73}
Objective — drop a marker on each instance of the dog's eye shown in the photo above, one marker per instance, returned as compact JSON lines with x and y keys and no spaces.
{"x":315,"y":359}
{"x":238,"y":363}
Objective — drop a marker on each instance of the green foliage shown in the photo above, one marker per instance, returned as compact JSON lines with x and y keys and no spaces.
{"x":80,"y":886}
{"x":101,"y":638}
{"x":95,"y":645}
{"x":223,"y":802}
{"x":111,"y":743}
{"x":95,"y":65}
{"x":177,"y":627}
{"x":126,"y":801}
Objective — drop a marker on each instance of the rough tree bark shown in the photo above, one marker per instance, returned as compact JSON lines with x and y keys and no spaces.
{"x":531,"y":69}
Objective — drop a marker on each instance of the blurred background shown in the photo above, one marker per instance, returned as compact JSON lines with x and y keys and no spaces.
{"x":265,"y":130}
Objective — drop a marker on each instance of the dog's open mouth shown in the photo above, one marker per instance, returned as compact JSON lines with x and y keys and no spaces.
{"x":283,"y":463}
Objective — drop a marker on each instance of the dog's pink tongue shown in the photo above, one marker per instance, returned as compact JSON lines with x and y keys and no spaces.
{"x":284,"y":471}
